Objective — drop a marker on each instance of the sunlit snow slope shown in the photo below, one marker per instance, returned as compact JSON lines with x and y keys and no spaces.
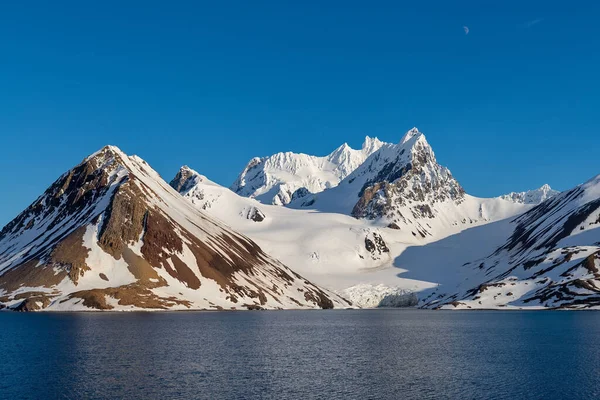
{"x":548,"y":257}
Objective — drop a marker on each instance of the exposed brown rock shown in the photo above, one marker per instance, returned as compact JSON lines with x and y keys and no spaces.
{"x":30,"y":274}
{"x":124,"y":220}
{"x":25,"y":295}
{"x":183,"y":273}
{"x":142,"y":270}
{"x":366,"y":198}
{"x":590,"y":263}
{"x":183,"y":179}
{"x":34,"y":303}
{"x":160,"y":239}
{"x":70,"y":254}
{"x":319,"y":298}
{"x":93,"y":299}
{"x":129,"y":295}
{"x":73,"y":193}
{"x":418,"y":183}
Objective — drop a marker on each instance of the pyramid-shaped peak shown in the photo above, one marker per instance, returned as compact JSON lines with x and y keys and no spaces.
{"x":184,"y":177}
{"x":111,"y":149}
{"x":341,"y":149}
{"x":186,"y":172}
{"x":414,"y":132}
{"x":187,"y":178}
{"x":106,"y":153}
{"x":109,"y":231}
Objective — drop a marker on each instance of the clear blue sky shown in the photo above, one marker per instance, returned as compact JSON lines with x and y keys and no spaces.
{"x":509,"y":106}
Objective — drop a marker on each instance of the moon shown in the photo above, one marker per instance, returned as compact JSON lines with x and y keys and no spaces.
{"x":466,"y":28}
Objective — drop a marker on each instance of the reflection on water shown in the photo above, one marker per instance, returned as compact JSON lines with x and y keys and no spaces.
{"x":373,"y":354}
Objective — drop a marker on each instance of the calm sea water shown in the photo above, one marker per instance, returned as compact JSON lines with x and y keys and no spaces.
{"x":358,"y":354}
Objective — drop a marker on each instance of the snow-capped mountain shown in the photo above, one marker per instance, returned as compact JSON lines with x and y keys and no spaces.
{"x":535,"y":196}
{"x":354,"y":253}
{"x":402,"y":185}
{"x":111,"y":234}
{"x":282,"y":177}
{"x":332,"y":249}
{"x":549,"y":258}
{"x":397,"y":230}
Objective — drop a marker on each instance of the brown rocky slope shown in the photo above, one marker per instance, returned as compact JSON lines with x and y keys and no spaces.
{"x":110,"y":234}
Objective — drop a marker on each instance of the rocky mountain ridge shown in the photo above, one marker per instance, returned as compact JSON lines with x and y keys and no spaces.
{"x":549,"y":259}
{"x":279,"y":178}
{"x":403,"y":186}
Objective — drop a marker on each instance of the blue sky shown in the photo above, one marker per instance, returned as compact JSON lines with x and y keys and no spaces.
{"x":509,"y":106}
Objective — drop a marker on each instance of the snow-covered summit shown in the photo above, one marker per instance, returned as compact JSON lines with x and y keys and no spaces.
{"x":410,"y":134}
{"x":279,"y":178}
{"x":371,"y":145}
{"x":535,"y":196}
{"x":410,"y":165}
{"x":404,"y":186}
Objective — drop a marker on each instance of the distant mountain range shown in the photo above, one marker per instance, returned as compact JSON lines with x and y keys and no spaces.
{"x":384,"y":225}
{"x":283,"y":177}
{"x":535,"y":196}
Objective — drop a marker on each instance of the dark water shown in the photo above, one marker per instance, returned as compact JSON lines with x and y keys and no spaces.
{"x":363,"y":354}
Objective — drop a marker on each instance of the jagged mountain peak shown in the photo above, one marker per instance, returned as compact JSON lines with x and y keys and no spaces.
{"x":343,"y":149}
{"x":344,"y":146}
{"x":404,"y":186}
{"x":186,"y":177}
{"x":410,"y":134}
{"x":279,"y":178}
{"x":370,"y":145}
{"x":407,"y":176}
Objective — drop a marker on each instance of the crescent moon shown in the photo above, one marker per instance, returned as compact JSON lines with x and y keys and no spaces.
{"x":466,"y":28}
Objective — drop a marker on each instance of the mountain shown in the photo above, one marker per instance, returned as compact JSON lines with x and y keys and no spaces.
{"x":398,"y":230}
{"x":548,"y":258}
{"x":282,"y":177}
{"x":343,"y":238}
{"x":332,"y":249}
{"x":110,"y":234}
{"x":531,"y":196}
{"x":403,"y":186}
